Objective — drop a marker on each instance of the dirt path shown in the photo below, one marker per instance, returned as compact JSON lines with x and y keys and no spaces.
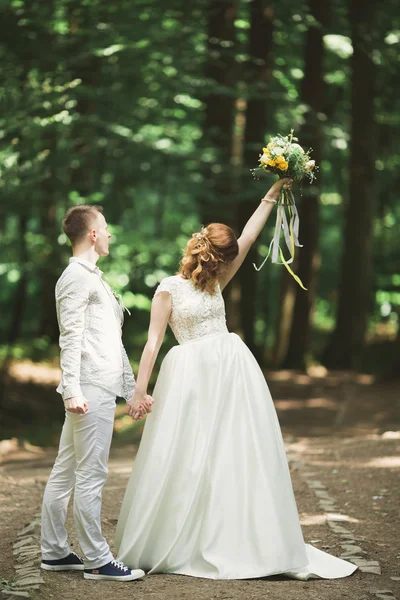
{"x":356,"y":464}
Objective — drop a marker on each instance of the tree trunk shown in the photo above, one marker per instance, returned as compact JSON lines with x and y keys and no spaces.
{"x":21,"y":291}
{"x":355,"y":291}
{"x":393,"y":369}
{"x":86,"y":67}
{"x":285,"y":316}
{"x":217,"y":202}
{"x":311,"y":136}
{"x":258,"y":72}
{"x":50,"y":267}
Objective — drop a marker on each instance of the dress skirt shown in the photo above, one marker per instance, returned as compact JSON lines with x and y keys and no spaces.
{"x":210,"y":493}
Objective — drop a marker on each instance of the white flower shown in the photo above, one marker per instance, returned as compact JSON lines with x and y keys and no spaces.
{"x":298,"y":146}
{"x":310,"y":165}
{"x":277,"y":150}
{"x":264,"y":159}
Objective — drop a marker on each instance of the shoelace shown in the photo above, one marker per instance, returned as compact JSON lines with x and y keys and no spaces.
{"x":119,"y":565}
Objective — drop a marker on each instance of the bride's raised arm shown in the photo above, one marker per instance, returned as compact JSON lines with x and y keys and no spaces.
{"x":253,"y":228}
{"x":161,"y":307}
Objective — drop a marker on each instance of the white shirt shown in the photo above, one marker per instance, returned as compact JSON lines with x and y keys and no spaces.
{"x":90,"y":319}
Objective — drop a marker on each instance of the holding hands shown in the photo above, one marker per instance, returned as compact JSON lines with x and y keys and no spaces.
{"x":139,"y":405}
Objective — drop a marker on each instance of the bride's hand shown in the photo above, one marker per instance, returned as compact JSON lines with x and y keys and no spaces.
{"x":139,"y":405}
{"x":275,"y":189}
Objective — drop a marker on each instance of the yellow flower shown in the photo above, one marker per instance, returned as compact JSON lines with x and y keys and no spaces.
{"x":283,"y":166}
{"x":271,"y":163}
{"x":280,"y":159}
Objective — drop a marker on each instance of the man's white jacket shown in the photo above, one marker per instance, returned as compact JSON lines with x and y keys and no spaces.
{"x":90,"y":319}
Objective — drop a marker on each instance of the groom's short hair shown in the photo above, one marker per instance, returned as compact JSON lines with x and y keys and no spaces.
{"x":78,"y":219}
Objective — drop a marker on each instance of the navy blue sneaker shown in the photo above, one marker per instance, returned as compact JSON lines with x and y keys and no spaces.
{"x":115,"y":571}
{"x":72,"y":562}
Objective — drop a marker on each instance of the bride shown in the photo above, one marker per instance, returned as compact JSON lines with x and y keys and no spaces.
{"x":210,"y":493}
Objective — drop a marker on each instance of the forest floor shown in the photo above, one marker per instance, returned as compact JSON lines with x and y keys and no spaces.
{"x":342,"y":434}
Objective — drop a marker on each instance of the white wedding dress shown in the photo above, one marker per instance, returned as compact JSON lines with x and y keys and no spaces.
{"x":210,"y":493}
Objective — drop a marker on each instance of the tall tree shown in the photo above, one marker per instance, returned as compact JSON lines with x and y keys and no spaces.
{"x":257,"y":76}
{"x":49,"y":268}
{"x":48,"y":271}
{"x":20,"y":298}
{"x":85,"y":66}
{"x":218,"y":201}
{"x":312,"y":95}
{"x":221,"y":75}
{"x":356,"y":278}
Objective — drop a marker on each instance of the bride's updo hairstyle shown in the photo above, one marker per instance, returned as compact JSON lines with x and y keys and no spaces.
{"x":207,"y":254}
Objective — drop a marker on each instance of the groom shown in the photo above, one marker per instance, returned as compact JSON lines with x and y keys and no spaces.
{"x":95,"y":370}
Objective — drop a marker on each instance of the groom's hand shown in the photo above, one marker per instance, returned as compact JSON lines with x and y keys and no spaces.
{"x":139,"y":405}
{"x":77,"y":404}
{"x":138,"y":412}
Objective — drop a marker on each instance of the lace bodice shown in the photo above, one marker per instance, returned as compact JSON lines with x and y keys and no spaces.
{"x":195,"y":314}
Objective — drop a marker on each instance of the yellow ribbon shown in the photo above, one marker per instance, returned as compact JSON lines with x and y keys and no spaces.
{"x":281,"y":222}
{"x":295,"y":277}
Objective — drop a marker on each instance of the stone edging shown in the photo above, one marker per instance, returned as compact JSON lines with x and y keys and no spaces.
{"x":350,"y":543}
{"x":27,"y":556}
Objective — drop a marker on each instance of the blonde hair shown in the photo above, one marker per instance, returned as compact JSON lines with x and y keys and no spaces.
{"x":206,"y":254}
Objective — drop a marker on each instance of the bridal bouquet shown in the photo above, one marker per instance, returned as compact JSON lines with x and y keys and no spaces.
{"x":284,"y":157}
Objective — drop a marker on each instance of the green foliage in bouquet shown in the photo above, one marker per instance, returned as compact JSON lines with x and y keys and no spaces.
{"x":284,"y":157}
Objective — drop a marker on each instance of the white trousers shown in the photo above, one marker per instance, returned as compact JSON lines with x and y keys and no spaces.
{"x":81,"y":465}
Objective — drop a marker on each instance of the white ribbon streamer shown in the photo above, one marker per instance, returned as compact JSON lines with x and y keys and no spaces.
{"x":296,"y":225}
{"x":282,"y":223}
{"x":280,"y":213}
